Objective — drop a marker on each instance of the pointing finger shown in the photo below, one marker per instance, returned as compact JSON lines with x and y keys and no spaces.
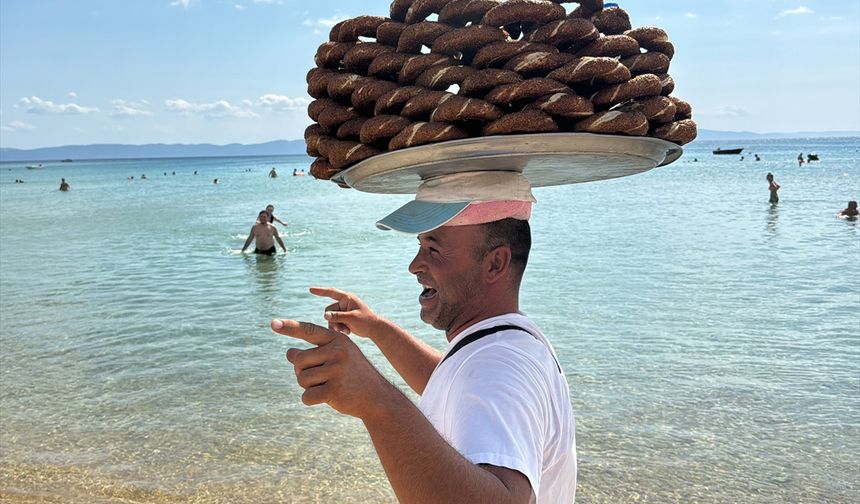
{"x":307,"y":331}
{"x":330,"y":292}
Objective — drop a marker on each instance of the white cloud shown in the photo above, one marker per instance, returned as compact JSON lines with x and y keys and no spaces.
{"x":71,"y":94}
{"x":182,"y":3}
{"x":245,"y":5}
{"x":122,"y":108}
{"x":731,"y":111}
{"x":690,"y":15}
{"x":18,"y":126}
{"x":794,"y":12}
{"x":36,"y":105}
{"x":279,"y":102}
{"x":324,"y":23}
{"x":220,"y":108}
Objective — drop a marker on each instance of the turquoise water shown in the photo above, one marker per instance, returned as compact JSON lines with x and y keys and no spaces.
{"x":712,"y":341}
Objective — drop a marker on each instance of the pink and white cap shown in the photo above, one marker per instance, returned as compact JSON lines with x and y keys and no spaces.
{"x":461,"y":199}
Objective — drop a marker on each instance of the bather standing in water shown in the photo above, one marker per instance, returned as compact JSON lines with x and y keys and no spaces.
{"x":773,"y":187}
{"x":265,"y":234}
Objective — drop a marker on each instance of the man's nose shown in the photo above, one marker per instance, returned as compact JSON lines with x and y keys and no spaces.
{"x":417,"y":264}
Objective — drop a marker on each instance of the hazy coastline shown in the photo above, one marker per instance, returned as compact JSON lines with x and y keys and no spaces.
{"x":294,"y":147}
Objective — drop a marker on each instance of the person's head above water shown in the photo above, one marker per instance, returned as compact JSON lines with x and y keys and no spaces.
{"x":769,"y":177}
{"x":852,"y":205}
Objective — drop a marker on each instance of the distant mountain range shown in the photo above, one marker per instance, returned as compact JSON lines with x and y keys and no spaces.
{"x":122,"y":151}
{"x":287,"y":147}
{"x":706,"y":135}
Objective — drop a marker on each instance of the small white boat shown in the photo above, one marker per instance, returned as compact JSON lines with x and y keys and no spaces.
{"x":34,"y":167}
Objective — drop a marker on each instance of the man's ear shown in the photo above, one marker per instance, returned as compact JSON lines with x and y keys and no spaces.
{"x":497,"y":263}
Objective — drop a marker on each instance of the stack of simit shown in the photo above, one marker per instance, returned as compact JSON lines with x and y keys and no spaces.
{"x":487,"y":67}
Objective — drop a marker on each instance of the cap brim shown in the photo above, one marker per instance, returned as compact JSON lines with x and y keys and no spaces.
{"x":418,"y":217}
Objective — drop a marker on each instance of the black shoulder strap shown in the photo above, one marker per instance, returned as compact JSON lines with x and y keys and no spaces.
{"x":475,"y":336}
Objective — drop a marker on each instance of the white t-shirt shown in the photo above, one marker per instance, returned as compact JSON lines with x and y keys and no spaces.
{"x":502,"y":400}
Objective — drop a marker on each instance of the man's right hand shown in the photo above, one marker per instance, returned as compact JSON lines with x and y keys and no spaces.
{"x":348,"y":314}
{"x":336,"y":372}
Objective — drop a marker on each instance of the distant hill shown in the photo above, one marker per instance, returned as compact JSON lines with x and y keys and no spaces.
{"x":706,"y":135}
{"x":287,"y":147}
{"x":121,"y":151}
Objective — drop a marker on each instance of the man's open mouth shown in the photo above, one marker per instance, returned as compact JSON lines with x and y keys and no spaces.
{"x":428,"y":293}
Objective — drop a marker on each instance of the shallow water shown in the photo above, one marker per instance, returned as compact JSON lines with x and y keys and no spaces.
{"x":712,"y":341}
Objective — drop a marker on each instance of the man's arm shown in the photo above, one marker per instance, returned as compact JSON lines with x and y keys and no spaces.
{"x":413,"y":359}
{"x":280,"y":241}
{"x":421,"y":466}
{"x":249,"y":240}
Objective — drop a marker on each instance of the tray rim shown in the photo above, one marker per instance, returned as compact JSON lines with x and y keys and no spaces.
{"x":456,"y":151}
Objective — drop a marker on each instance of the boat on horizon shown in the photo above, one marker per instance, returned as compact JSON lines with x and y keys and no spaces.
{"x":728,"y":151}
{"x":34,"y":167}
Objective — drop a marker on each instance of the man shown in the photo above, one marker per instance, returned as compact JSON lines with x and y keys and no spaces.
{"x":64,"y":186}
{"x":494,"y":424}
{"x":263,"y":232}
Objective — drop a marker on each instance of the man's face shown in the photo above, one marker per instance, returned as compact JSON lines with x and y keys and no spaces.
{"x":446,"y":267}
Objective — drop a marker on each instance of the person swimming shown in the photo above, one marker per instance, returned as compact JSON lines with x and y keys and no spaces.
{"x":850,"y":213}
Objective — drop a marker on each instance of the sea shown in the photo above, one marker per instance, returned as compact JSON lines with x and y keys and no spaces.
{"x":711,"y":339}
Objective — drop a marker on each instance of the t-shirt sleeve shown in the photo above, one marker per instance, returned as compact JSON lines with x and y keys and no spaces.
{"x":498,"y":412}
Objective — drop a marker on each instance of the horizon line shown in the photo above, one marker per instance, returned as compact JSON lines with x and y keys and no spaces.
{"x":803,"y":134}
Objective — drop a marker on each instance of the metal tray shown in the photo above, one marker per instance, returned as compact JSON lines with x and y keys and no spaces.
{"x":546,"y":159}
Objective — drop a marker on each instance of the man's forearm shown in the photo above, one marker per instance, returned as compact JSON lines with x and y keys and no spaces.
{"x":413,"y":359}
{"x":421,"y":466}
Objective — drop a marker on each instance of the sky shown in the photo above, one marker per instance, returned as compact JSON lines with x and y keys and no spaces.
{"x":233,"y":71}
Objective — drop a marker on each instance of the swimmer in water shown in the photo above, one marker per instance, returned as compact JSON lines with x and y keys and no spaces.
{"x":850,"y":213}
{"x":64,"y":186}
{"x":270,"y":209}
